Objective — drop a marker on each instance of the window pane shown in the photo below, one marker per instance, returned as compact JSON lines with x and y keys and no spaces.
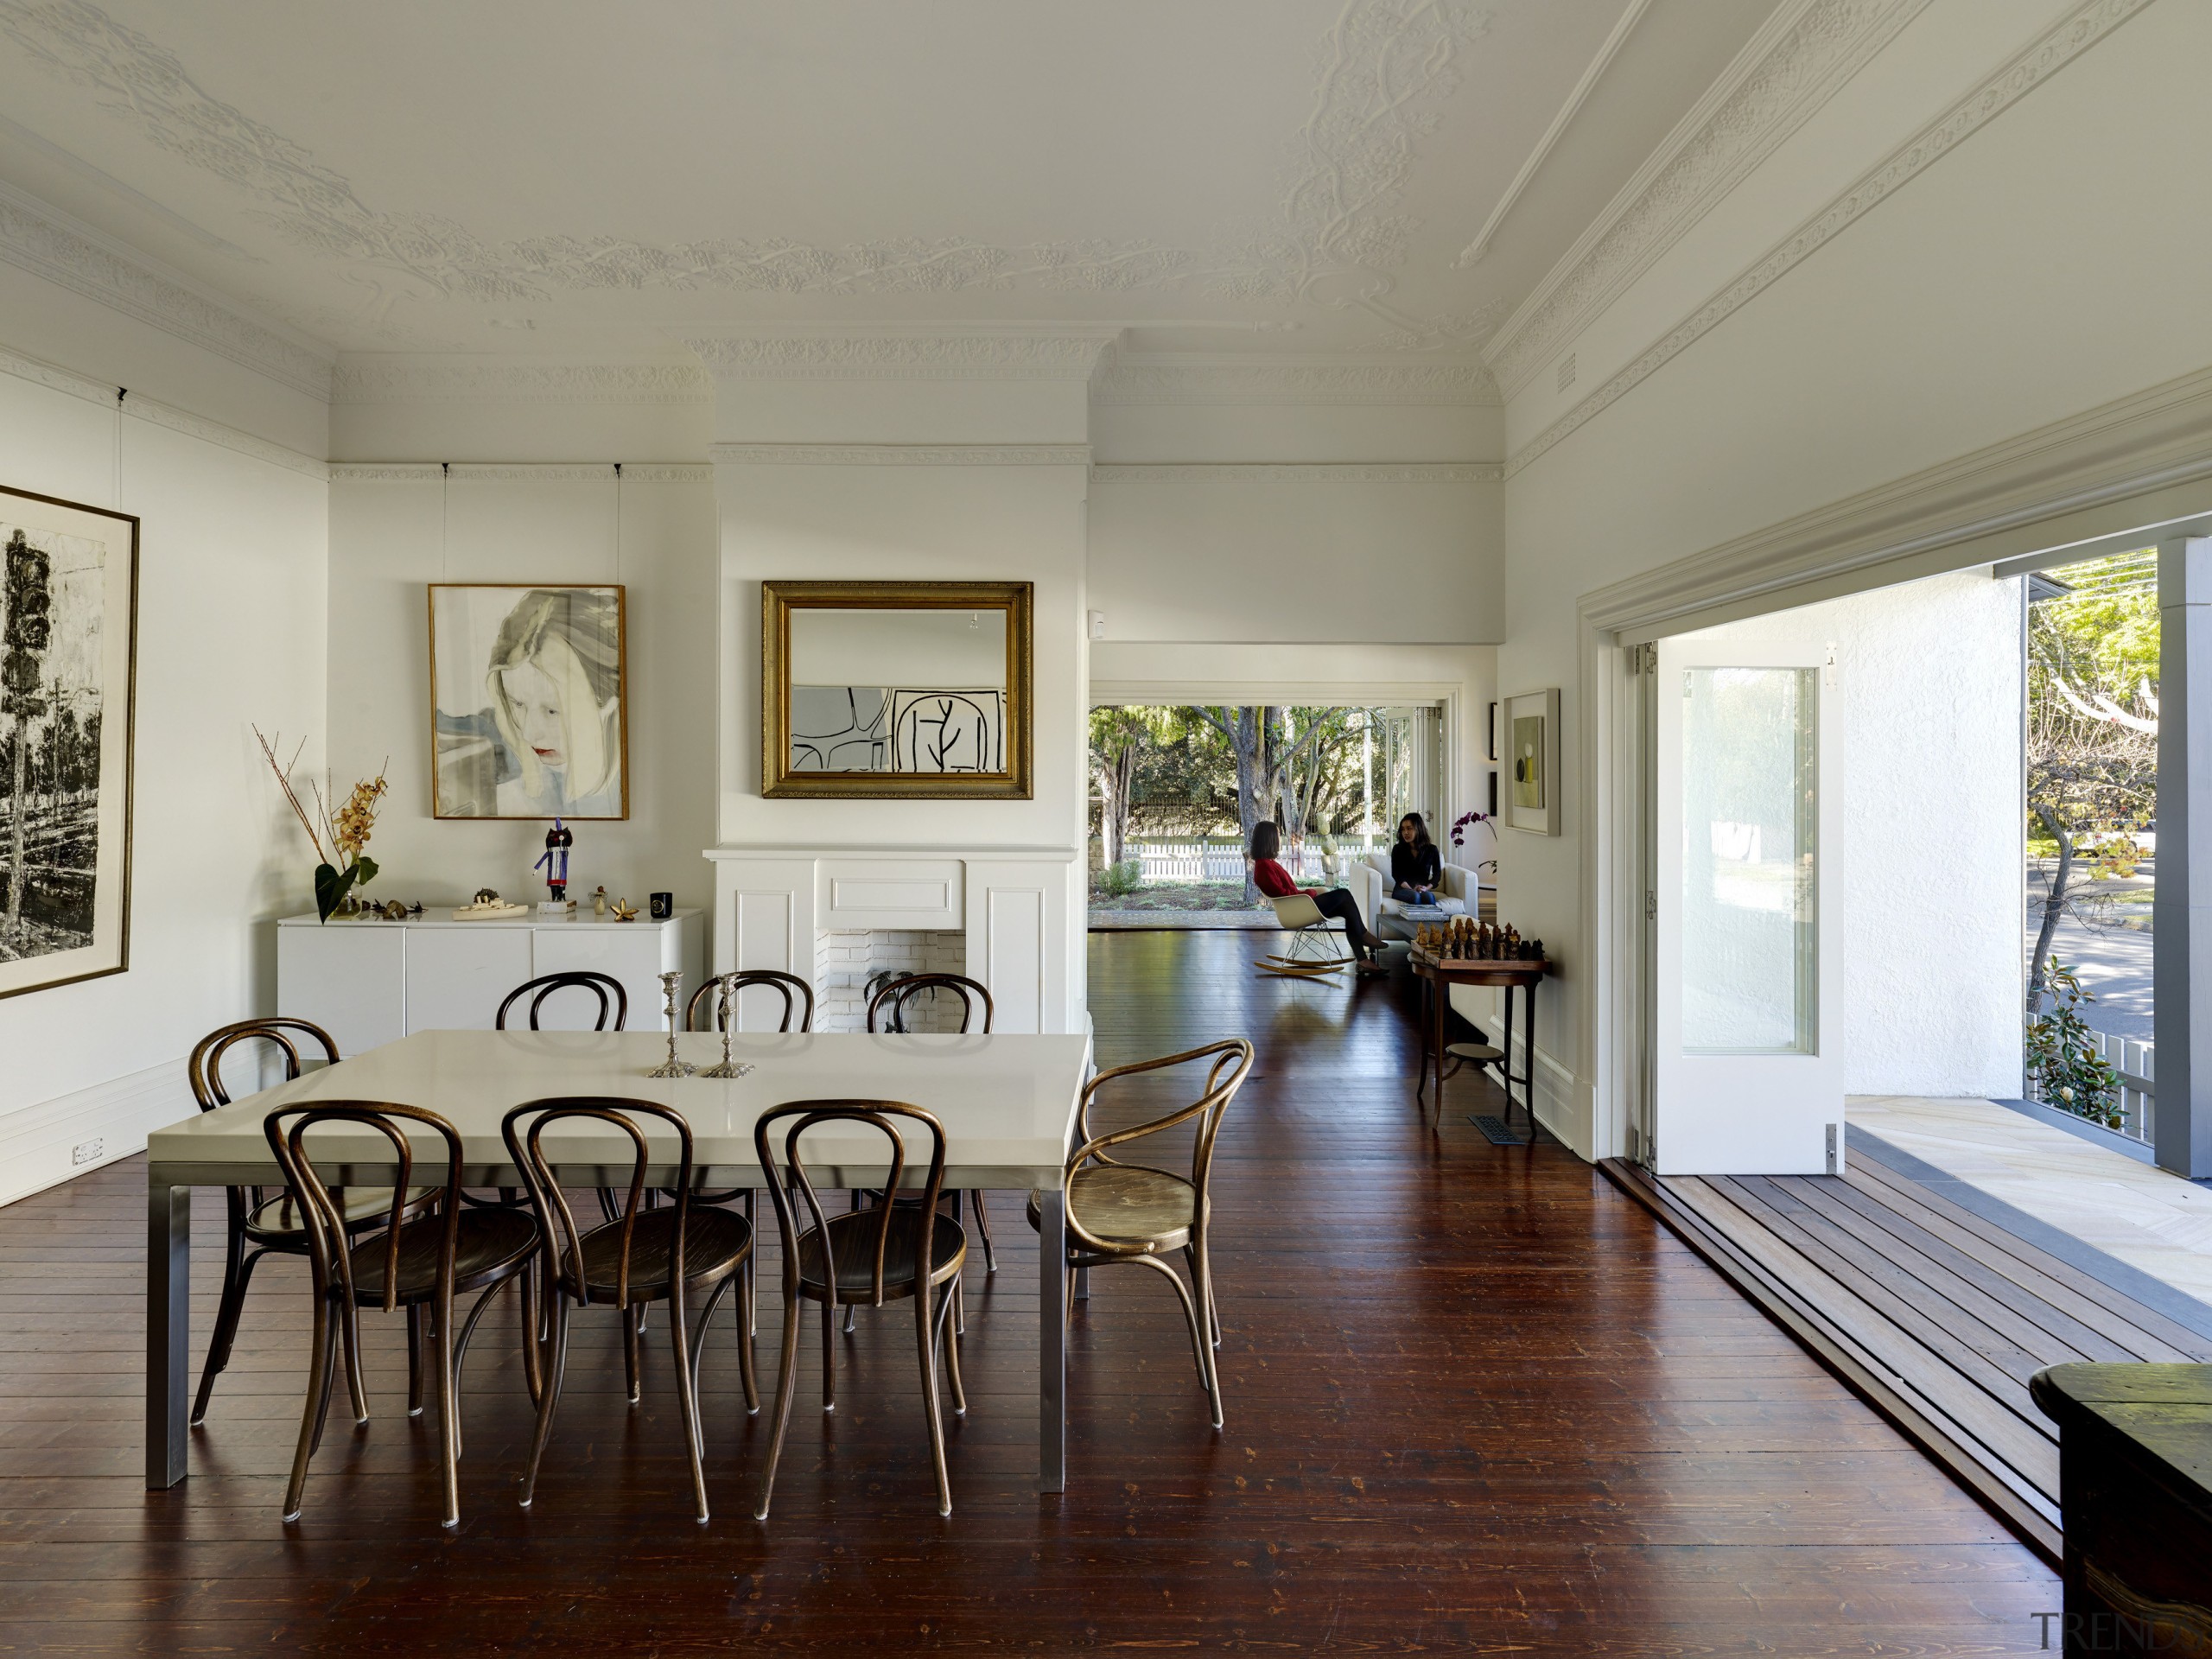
{"x":1750,"y":950}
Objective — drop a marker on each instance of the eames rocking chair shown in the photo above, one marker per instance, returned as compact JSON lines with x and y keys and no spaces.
{"x":1314,"y":947}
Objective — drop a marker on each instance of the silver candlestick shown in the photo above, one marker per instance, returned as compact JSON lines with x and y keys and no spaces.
{"x":728,"y":1068}
{"x":672,"y":986}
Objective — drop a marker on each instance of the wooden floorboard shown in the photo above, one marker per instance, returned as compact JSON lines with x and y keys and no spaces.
{"x":1478,"y":1400}
{"x":1935,"y":1315}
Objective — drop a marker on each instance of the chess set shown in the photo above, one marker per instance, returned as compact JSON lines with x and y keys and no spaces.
{"x":1465,"y":939}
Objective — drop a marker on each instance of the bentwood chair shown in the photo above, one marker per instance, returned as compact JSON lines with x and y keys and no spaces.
{"x":886,"y":1011}
{"x":445,"y":1251}
{"x":705,"y":1012}
{"x":1119,"y":1213}
{"x":262,"y":1224}
{"x":642,"y":1256}
{"x":612,"y":999}
{"x":893,"y":1252}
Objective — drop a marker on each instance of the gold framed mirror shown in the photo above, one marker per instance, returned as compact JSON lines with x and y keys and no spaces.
{"x":895,"y":691}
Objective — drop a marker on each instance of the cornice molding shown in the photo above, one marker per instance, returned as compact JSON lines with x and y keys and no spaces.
{"x":1796,"y":61}
{"x":904,"y":355}
{"x":1109,"y":472}
{"x":2058,"y":46}
{"x":1415,"y":384}
{"x":2148,"y":440}
{"x":47,"y":243}
{"x":462,"y":381}
{"x":667,"y":473}
{"x":382,"y":472}
{"x":900,"y":454}
{"x":155,"y":413}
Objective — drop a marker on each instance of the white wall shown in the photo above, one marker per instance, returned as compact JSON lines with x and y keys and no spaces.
{"x":395,"y":529}
{"x":230,"y":629}
{"x":1929,"y":892}
{"x":2034,"y":261}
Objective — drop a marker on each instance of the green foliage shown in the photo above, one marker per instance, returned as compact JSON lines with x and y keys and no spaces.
{"x":1119,"y":881}
{"x":2063,"y":1059}
{"x":333,"y":884}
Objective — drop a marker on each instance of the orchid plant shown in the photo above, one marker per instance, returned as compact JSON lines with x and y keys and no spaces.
{"x":1465,"y":821}
{"x":343,"y":862}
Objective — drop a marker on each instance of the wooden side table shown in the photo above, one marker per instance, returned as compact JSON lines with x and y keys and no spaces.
{"x":1444,"y":972}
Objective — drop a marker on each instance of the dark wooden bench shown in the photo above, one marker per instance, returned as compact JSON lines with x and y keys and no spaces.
{"x":2135,"y":1478}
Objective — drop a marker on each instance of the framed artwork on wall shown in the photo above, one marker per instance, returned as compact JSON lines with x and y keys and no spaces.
{"x":1532,"y":769}
{"x":530,"y":714}
{"x":1493,"y":732}
{"x":68,"y":651}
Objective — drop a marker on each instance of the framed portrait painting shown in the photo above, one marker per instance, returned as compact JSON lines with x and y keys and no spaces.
{"x":1532,"y":757}
{"x":529,"y":701}
{"x":68,"y":645}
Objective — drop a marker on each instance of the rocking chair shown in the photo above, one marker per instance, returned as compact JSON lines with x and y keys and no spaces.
{"x":1313,"y":943}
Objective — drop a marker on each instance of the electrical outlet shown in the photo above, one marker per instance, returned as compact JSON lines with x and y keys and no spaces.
{"x":85,"y":1151}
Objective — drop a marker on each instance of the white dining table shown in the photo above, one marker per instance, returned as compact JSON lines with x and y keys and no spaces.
{"x":1007,"y":1103}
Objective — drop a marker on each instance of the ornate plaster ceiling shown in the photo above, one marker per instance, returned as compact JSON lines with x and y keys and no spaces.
{"x":1219,"y":175}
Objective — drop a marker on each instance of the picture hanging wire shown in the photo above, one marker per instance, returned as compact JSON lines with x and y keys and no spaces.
{"x":445,"y":490}
{"x":121,"y":392}
{"x":617,"y":524}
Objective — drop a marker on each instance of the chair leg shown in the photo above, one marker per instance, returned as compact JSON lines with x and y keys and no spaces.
{"x":415,"y":1316}
{"x":1201,"y":1350}
{"x":983,"y":1231}
{"x":924,"y":1333}
{"x":630,"y":1352}
{"x":329,"y":1350}
{"x":951,"y":1301}
{"x":319,"y":1382}
{"x":1207,"y":1296}
{"x":533,"y":1332}
{"x":687,"y":1396}
{"x":442,"y":1343}
{"x":556,"y":1363}
{"x":829,"y":1355}
{"x":959,"y":1311}
{"x":786,"y":1386}
{"x":237,"y":1272}
{"x":849,"y":1309}
{"x":349,"y":1341}
{"x":750,"y":1318}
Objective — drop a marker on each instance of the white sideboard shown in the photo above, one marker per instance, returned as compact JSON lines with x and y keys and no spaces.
{"x":368,"y":982}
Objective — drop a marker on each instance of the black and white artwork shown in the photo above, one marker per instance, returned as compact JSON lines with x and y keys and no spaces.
{"x":897,"y":729}
{"x":527,"y":692}
{"x":69,"y":590}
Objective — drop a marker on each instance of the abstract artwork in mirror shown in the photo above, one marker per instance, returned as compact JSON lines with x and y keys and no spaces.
{"x":69,"y":630}
{"x":529,"y":713}
{"x":895,"y":689}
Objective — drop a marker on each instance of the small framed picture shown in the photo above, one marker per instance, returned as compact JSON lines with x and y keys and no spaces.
{"x":1532,"y":767}
{"x":1492,"y":809}
{"x":529,"y":710}
{"x":1493,"y":742}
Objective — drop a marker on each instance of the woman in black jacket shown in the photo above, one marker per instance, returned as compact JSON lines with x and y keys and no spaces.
{"x":1415,"y":865}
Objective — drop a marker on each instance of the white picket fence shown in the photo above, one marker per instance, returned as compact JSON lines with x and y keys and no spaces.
{"x":2136,"y":1061}
{"x":1217,"y":858}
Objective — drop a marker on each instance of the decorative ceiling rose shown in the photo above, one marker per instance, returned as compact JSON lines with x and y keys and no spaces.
{"x":1386,"y":68}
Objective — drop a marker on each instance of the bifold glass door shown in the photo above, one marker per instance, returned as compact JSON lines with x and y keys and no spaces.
{"x":1747,"y":1060}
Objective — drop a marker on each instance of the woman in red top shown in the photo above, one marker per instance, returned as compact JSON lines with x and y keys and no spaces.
{"x":1270,"y":878}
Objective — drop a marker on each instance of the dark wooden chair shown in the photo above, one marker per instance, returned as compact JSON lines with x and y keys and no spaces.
{"x":1120,"y":1212}
{"x":892,"y":1252}
{"x":421,"y":1263}
{"x":886,"y":1011}
{"x":262,"y":1223}
{"x":705,"y":1011}
{"x":642,"y":1256}
{"x":612,"y":999}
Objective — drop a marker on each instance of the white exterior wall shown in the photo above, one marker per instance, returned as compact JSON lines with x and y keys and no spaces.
{"x":1928,"y":889}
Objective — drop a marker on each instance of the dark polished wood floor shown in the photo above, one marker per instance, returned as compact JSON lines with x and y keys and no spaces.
{"x":1477,"y":1399}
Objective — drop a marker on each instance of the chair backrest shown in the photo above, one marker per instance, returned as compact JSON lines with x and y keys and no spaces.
{"x":887,"y":1009}
{"x":320,"y":1215}
{"x":874,"y":1225}
{"x":1233,"y":1063}
{"x":612,"y":999}
{"x":203,"y":1069}
{"x":557,"y":1226}
{"x":1297,"y":910}
{"x":797,"y":994}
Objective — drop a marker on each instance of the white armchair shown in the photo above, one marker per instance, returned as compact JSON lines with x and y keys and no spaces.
{"x":1369,"y":878}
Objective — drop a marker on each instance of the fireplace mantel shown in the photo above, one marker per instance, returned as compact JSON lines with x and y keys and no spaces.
{"x":1015,"y":907}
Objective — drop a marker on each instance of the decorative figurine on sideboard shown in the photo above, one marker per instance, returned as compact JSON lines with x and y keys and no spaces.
{"x":558,"y":839}
{"x":599,"y":904}
{"x":488,"y":906}
{"x":625,"y":910}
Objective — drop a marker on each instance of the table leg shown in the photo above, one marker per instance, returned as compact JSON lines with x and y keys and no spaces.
{"x":1529,"y":1057}
{"x":1052,"y":1342}
{"x":168,"y":1330}
{"x":1441,"y":993}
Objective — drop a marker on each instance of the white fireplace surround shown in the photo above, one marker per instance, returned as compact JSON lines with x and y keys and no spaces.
{"x":796,"y":909}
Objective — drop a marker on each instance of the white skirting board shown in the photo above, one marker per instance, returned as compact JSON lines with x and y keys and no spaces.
{"x":36,"y":1143}
{"x":1555,"y":1091}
